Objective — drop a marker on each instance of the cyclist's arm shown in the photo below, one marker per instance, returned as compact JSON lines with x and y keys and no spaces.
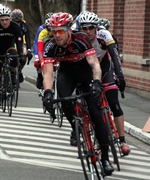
{"x":36,"y":40}
{"x":40,"y":49}
{"x":19,"y":40}
{"x":110,"y":43}
{"x":115,"y":59}
{"x":48,"y":76}
{"x":27,"y":38}
{"x":94,"y":63}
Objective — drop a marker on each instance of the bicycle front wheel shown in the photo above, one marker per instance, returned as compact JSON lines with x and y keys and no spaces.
{"x":9,"y":93}
{"x":111,"y":140}
{"x":59,"y":114}
{"x":90,"y":169}
{"x":82,"y":148}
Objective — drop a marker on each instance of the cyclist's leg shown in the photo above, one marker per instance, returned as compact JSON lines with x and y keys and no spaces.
{"x":13,"y":64}
{"x":39,"y":81}
{"x":22,"y":63}
{"x":112,"y":98}
{"x":94,"y":106}
{"x":65,"y":87}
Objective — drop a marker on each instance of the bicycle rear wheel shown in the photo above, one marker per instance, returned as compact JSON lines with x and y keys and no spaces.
{"x":111,"y":139}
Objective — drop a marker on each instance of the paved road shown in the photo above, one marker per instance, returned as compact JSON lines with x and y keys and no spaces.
{"x":136,"y":109}
{"x":33,"y":148}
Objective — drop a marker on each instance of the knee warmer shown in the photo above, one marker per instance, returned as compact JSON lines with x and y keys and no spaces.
{"x":112,"y":98}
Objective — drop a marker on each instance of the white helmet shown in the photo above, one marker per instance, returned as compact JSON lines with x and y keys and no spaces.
{"x":47,"y":22}
{"x":4,"y":11}
{"x":88,"y":18}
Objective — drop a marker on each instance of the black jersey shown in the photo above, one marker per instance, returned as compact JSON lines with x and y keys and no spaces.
{"x":26,"y":32}
{"x":73,"y":57}
{"x":10,"y":35}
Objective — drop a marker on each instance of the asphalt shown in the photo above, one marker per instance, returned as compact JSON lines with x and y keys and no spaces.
{"x":136,"y":108}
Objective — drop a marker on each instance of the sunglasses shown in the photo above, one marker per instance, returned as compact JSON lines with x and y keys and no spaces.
{"x":86,"y":28}
{"x":59,"y":31}
{"x":5,"y":19}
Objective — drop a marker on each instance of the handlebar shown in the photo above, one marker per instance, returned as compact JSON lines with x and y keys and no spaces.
{"x":8,"y":55}
{"x":71,"y":98}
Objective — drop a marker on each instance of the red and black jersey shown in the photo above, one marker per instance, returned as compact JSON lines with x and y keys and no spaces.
{"x":74,"y":55}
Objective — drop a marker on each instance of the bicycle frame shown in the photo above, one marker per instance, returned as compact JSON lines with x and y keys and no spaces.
{"x":112,"y":132}
{"x":88,"y":154}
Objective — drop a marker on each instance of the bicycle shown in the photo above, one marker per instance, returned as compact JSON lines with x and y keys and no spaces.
{"x":57,"y":106}
{"x":58,"y":112}
{"x":6,"y":90}
{"x":112,"y":131}
{"x":17,"y":85}
{"x":88,"y":147}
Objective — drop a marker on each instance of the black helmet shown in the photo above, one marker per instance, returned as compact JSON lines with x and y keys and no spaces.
{"x":17,"y":14}
{"x":105,"y":23}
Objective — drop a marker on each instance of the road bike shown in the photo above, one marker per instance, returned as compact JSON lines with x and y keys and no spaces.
{"x":88,"y":147}
{"x":58,"y":111}
{"x":112,"y":131}
{"x":7,"y":89}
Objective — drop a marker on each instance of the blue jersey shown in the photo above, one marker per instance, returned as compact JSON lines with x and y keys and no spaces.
{"x":36,"y":40}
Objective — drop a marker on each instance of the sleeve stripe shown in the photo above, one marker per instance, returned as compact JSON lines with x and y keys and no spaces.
{"x":110,"y":42}
{"x":90,"y":52}
{"x":48,"y":60}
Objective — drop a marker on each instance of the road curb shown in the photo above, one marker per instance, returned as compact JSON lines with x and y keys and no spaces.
{"x":30,"y":79}
{"x":129,"y":128}
{"x":137,"y":133}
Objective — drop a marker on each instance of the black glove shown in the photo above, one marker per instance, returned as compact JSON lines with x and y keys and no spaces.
{"x":47,"y":100}
{"x":121,"y":84}
{"x":29,"y":54}
{"x":22,"y":61}
{"x":96,"y":88}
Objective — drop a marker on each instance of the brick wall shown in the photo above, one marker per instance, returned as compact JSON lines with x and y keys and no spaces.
{"x":130,"y":23}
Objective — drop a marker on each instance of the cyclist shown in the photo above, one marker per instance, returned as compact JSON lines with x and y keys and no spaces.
{"x":106,"y":24}
{"x":39,"y":82}
{"x":18,"y":16}
{"x":43,"y":36}
{"x":78,"y":64}
{"x":104,"y":46}
{"x":10,"y":32}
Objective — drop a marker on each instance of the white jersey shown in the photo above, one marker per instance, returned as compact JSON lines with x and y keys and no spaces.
{"x":106,"y":36}
{"x":100,"y":51}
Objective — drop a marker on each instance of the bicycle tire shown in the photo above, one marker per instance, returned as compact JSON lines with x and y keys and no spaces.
{"x":51,"y":118}
{"x":9,"y":93}
{"x":111,"y":140}
{"x":3,"y":104}
{"x":59,"y":114}
{"x":99,"y":170}
{"x":16,"y":90}
{"x":82,"y":148}
{"x":3,"y":92}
